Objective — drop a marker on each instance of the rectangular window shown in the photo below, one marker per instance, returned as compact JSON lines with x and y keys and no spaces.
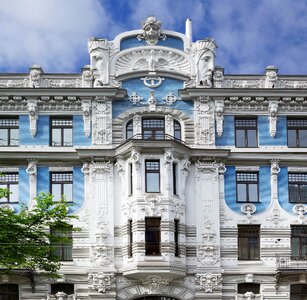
{"x":153,"y":129}
{"x":297,"y":132}
{"x":297,"y":187}
{"x":249,"y":242}
{"x":130,"y":238}
{"x":176,"y":237}
{"x":130,"y":174}
{"x":299,"y":241}
{"x":152,"y":176}
{"x":10,"y":181}
{"x":246,"y":132}
{"x":152,"y":236}
{"x":9,"y":131}
{"x":175,"y":179}
{"x":9,"y":291}
{"x":247,"y":187}
{"x":61,"y":183}
{"x":61,"y":131}
{"x":61,"y":240}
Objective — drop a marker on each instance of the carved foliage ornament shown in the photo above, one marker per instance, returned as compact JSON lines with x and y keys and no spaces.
{"x":151,"y":31}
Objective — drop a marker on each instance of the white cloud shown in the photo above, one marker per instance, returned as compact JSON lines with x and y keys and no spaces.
{"x":52,"y":33}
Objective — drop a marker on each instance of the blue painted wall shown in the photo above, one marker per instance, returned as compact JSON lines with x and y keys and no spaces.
{"x":42,"y":180}
{"x":264,"y":132}
{"x":283,"y":192}
{"x":78,"y":189}
{"x":264,"y":189}
{"x":172,"y":42}
{"x":168,"y":85}
{"x":24,"y":186}
{"x":228,"y":137}
{"x":42,"y":135}
{"x":79,"y":139}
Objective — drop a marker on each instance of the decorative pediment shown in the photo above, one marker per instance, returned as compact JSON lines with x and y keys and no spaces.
{"x":152,"y":59}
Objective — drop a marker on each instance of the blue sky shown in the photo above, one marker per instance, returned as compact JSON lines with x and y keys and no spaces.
{"x":250,"y":34}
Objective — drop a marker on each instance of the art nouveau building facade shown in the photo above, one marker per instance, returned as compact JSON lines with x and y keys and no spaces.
{"x":188,"y":183}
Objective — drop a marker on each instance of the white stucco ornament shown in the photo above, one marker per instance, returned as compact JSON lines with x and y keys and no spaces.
{"x":151,"y":31}
{"x":208,"y":281}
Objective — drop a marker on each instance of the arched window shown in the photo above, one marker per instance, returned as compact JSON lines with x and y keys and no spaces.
{"x":177,"y":130}
{"x":129,"y":129}
{"x":9,"y":291}
{"x":67,"y":288}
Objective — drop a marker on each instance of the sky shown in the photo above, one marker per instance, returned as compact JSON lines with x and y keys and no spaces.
{"x":250,"y":34}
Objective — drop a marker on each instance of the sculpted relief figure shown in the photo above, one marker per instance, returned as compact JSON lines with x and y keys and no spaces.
{"x":204,"y":53}
{"x":99,"y":52}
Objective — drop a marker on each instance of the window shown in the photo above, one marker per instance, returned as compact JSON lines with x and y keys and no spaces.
{"x":61,"y":239}
{"x":246,"y":132}
{"x":130,"y":238}
{"x":175,"y":179}
{"x":152,"y":236}
{"x":9,"y":131}
{"x":153,"y":129}
{"x":299,"y":241}
{"x":61,"y":131}
{"x":248,"y":287}
{"x":130,"y":174}
{"x":9,"y":292}
{"x":10,"y":181}
{"x":62,"y":184}
{"x":298,"y":292}
{"x":176,"y":237}
{"x":247,"y":187}
{"x":297,"y":132}
{"x":249,"y":242}
{"x":177,"y":130}
{"x":297,"y":187}
{"x":129,"y":130}
{"x":67,"y":288}
{"x":152,"y":176}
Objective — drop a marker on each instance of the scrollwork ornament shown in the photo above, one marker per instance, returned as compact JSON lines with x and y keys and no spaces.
{"x":275,"y":169}
{"x":135,"y":156}
{"x":168,"y":155}
{"x":32,"y":169}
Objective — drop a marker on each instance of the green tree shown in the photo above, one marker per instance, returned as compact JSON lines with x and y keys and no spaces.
{"x":25,"y":240}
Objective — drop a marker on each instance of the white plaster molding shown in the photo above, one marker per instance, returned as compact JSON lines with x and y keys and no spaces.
{"x":249,"y":296}
{"x":32,"y":172}
{"x":248,"y":209}
{"x":151,"y":31}
{"x":247,"y":168}
{"x":32,"y":109}
{"x":86,"y":109}
{"x":101,"y":282}
{"x":101,"y":255}
{"x":300,"y":209}
{"x":154,"y":283}
{"x":273,"y":108}
{"x":135,"y":156}
{"x":61,"y":169}
{"x":275,"y":169}
{"x":137,"y":124}
{"x":152,"y":102}
{"x":297,"y":169}
{"x":208,"y":281}
{"x":168,"y":155}
{"x":219,"y":117}
{"x":8,"y":170}
{"x":152,"y":81}
{"x":86,"y":168}
{"x":170,"y":98}
{"x":87,"y":78}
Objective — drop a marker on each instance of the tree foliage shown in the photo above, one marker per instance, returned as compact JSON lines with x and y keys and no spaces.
{"x":25,"y":239}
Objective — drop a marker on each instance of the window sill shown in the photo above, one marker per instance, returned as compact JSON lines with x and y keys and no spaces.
{"x":248,"y":262}
{"x":153,"y":258}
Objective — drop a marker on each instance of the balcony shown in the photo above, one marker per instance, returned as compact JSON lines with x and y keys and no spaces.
{"x":155,"y":137}
{"x":291,"y":263}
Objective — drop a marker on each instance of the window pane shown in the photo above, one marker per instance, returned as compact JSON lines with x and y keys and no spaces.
{"x":3,"y":137}
{"x":152,"y":183}
{"x":56,"y":191}
{"x":15,"y":195}
{"x":14,"y":137}
{"x":252,"y":138}
{"x":303,"y":193}
{"x":291,"y":138}
{"x":293,"y":193}
{"x":241,"y":189}
{"x":253,"y":192}
{"x":303,"y":137}
{"x":56,"y":137}
{"x":3,"y":186}
{"x":68,"y":192}
{"x":304,"y":246}
{"x":67,"y":139}
{"x":240,"y":138}
{"x":295,"y":247}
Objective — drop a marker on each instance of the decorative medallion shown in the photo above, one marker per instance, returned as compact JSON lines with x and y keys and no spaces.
{"x":152,"y":81}
{"x":170,"y":98}
{"x":135,"y":98}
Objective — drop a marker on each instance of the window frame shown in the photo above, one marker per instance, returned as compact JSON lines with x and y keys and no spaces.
{"x":9,"y":294}
{"x":247,"y":183}
{"x":149,"y":171}
{"x":299,"y":187}
{"x":154,"y":129}
{"x":177,"y":130}
{"x":297,"y":129}
{"x":7,"y":184}
{"x":152,"y":248}
{"x":62,"y":128}
{"x":246,"y":129}
{"x":245,"y":287}
{"x":251,"y":234}
{"x":176,"y":237}
{"x":63,"y":250}
{"x":62,"y":184}
{"x":64,"y":287}
{"x":9,"y":127}
{"x":302,"y":241}
{"x":129,"y":129}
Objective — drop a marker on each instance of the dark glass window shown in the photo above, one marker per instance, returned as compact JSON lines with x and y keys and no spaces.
{"x":61,"y":131}
{"x":153,"y":129}
{"x":297,"y":132}
{"x":9,"y":131}
{"x":61,"y":184}
{"x":297,"y":187}
{"x":246,"y":132}
{"x":129,"y":130}
{"x":152,"y":176}
{"x":298,"y":292}
{"x":175,"y":179}
{"x":130,"y":174}
{"x":130,"y":238}
{"x":247,"y":187}
{"x":152,"y":236}
{"x":248,"y":287}
{"x":177,"y":130}
{"x":9,"y":292}
{"x":249,"y":242}
{"x":10,"y":181}
{"x":299,"y":241}
{"x":61,"y":239}
{"x":67,"y":288}
{"x":176,"y":237}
